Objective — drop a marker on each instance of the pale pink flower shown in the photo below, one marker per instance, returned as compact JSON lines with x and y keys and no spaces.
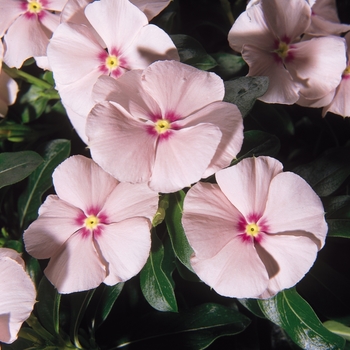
{"x":74,"y":9}
{"x":27,"y":26}
{"x":325,"y":20}
{"x":256,"y":232}
{"x":340,"y":103}
{"x":94,"y":230}
{"x":17,"y":294}
{"x":8,"y":88}
{"x":166,"y":126}
{"x":268,"y":35}
{"x":117,"y":39}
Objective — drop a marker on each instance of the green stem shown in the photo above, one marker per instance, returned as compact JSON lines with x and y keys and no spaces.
{"x":16,"y":73}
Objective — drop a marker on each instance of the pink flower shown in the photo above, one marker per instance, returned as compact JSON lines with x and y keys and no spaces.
{"x":166,"y":126}
{"x":94,"y":230}
{"x":268,"y":35}
{"x":325,"y":20}
{"x":151,"y":8}
{"x":27,"y":26}
{"x":17,"y":294}
{"x":8,"y":88}
{"x":117,"y":39}
{"x":341,"y":100}
{"x":256,"y":232}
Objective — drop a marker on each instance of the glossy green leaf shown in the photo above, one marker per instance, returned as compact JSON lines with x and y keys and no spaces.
{"x":258,"y":143}
{"x":173,"y":217}
{"x":338,"y":328}
{"x":195,"y":328}
{"x":105,"y":303}
{"x":47,"y":307}
{"x":253,"y":306}
{"x":16,"y":166}
{"x":54,"y":153}
{"x":328,"y":172}
{"x":228,"y":64}
{"x":244,"y":91}
{"x":156,"y":286}
{"x":292,"y":313}
{"x":192,"y":52}
{"x":338,"y":216}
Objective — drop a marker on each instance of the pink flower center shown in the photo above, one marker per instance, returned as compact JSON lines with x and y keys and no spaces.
{"x":92,"y":223}
{"x":163,"y":127}
{"x":252,"y":228}
{"x":346,"y":73}
{"x":112,"y":63}
{"x":282,"y":52}
{"x":34,"y":6}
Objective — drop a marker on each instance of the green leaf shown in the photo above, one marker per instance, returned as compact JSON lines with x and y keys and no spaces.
{"x":16,"y":166}
{"x":258,"y":143}
{"x":253,"y":306}
{"x":54,"y":153}
{"x":244,"y":91}
{"x":292,"y":313}
{"x":105,"y":302}
{"x":192,"y":52}
{"x":328,"y":172}
{"x":228,"y":64}
{"x":47,"y":307}
{"x":177,"y":235}
{"x":156,"y":286}
{"x":338,"y":328}
{"x":338,"y":216}
{"x":196,"y":328}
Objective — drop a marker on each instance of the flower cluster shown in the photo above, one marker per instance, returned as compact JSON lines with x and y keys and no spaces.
{"x":296,"y":46}
{"x":154,"y":126}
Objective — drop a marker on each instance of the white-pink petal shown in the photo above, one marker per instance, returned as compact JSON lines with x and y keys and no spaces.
{"x":151,"y":8}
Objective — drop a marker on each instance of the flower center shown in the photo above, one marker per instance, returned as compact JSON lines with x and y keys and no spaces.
{"x":252,"y":230}
{"x":162,"y":125}
{"x":112,"y":62}
{"x":91,"y":222}
{"x":282,"y":50}
{"x":346,"y":71}
{"x":34,"y":6}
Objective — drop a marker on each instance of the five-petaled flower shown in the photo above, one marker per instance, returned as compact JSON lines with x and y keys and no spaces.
{"x":94,"y":230}
{"x":166,"y":125}
{"x":256,"y":232}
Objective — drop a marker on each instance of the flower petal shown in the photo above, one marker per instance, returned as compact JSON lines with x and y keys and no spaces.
{"x":82,"y":183}
{"x":9,"y":11}
{"x":125,"y":246}
{"x":229,"y":119}
{"x":56,"y":223}
{"x":183,"y":158}
{"x":117,"y":22}
{"x":292,"y":205}
{"x":149,"y":45}
{"x":236,"y":271}
{"x":17,"y":298}
{"x":76,"y":266}
{"x":180,"y":88}
{"x":131,"y":200}
{"x":246,"y":184}
{"x":20,"y":44}
{"x":151,"y":8}
{"x":287,"y":259}
{"x":209,"y":219}
{"x":119,"y":144}
{"x":319,"y":63}
{"x":341,"y":102}
{"x":73,"y":52}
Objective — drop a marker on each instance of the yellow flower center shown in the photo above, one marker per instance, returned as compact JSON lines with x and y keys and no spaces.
{"x":282,"y":50}
{"x":34,"y":6}
{"x":162,"y":125}
{"x":91,"y":222}
{"x":112,"y":62}
{"x":252,"y":230}
{"x":346,"y":70}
